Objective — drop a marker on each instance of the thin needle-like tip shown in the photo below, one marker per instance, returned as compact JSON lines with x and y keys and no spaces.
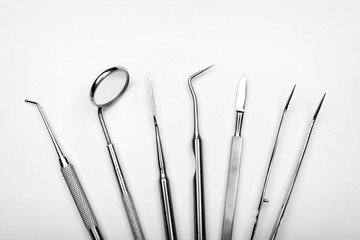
{"x":289,"y":98}
{"x":199,"y":72}
{"x":63,"y":161}
{"x":151,"y":96}
{"x":318,"y":108}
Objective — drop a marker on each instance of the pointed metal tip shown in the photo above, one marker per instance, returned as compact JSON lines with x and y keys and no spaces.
{"x":199,"y":72}
{"x":289,"y":99}
{"x":205,"y":69}
{"x":318,"y":108}
{"x":244,"y":77}
{"x":32,"y":102}
{"x":151,"y":96}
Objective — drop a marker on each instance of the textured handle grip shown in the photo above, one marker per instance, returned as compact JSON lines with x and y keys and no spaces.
{"x":132,"y":217}
{"x":79,"y":196}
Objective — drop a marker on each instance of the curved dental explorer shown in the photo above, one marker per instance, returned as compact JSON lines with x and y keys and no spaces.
{"x":199,"y":211}
{"x":292,"y":183}
{"x":167,"y":207}
{"x":262,"y":198}
{"x":73,"y":184}
{"x":234,"y":164}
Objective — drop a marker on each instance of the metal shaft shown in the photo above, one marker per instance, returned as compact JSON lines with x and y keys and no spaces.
{"x":199,"y":203}
{"x":262,"y":198}
{"x":233,"y":179}
{"x":73,"y":184}
{"x":129,"y":205}
{"x":62,"y":159}
{"x":234,"y":163}
{"x":165,"y":192}
{"x":293,"y":180}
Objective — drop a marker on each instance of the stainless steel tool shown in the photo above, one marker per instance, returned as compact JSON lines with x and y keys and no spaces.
{"x":108,"y":93}
{"x":73,"y":184}
{"x":262,"y":198}
{"x":234,"y":166}
{"x":199,"y":203}
{"x":167,"y":206}
{"x":292,"y":183}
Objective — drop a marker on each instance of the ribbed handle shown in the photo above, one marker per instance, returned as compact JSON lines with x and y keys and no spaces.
{"x":79,"y":197}
{"x":132,"y":217}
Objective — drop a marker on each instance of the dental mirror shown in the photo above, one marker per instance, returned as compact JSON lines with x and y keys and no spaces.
{"x":109,"y":86}
{"x":106,"y":90}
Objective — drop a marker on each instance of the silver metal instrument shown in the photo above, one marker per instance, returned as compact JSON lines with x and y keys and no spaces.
{"x":234,"y":164}
{"x":167,"y":207}
{"x":292,"y":183}
{"x":199,"y":203}
{"x":110,"y":92}
{"x":73,"y":184}
{"x":262,"y":198}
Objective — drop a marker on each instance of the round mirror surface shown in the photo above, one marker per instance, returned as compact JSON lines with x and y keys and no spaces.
{"x":109,"y":86}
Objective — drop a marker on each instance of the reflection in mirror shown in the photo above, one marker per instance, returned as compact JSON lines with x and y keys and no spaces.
{"x":110,"y":87}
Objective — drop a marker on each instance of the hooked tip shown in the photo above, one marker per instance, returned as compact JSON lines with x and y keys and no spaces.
{"x":199,"y":72}
{"x":318,"y":108}
{"x":28,"y":101}
{"x":289,"y":98}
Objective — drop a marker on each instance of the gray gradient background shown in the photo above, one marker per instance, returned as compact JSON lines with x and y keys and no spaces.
{"x":51,"y":51}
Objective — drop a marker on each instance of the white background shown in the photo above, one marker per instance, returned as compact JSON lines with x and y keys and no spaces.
{"x":51,"y":51}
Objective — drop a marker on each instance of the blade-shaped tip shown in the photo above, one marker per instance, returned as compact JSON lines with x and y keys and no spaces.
{"x":318,"y":108}
{"x":241,"y":94}
{"x":151,"y":96}
{"x":289,"y":99}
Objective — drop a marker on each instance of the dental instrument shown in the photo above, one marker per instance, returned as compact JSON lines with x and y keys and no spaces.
{"x":167,"y":206}
{"x":234,"y":164}
{"x":198,"y":180}
{"x":262,"y":198}
{"x":110,"y":92}
{"x":294,"y":177}
{"x":73,"y":184}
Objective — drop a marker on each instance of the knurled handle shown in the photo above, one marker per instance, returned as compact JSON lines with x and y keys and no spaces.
{"x":132,"y":217}
{"x":79,"y":197}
